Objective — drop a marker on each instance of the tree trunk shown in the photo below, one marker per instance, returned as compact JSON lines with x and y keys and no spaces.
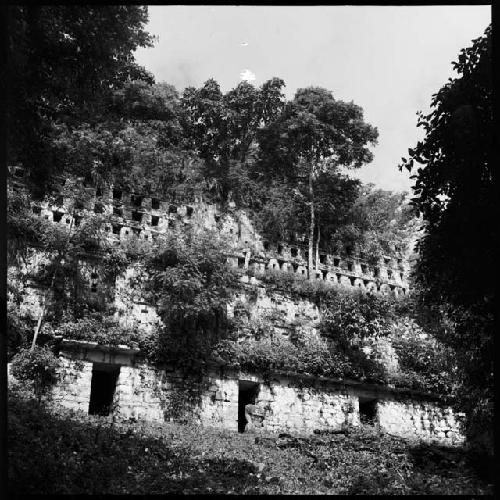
{"x":42,"y":312}
{"x":317,"y":246}
{"x":56,"y":268}
{"x":311,"y":224}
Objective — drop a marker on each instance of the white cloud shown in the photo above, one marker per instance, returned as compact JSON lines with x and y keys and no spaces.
{"x":247,"y":75}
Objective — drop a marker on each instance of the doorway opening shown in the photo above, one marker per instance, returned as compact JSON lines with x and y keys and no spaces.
{"x":368,"y":410}
{"x":102,"y":388}
{"x":247,"y":393}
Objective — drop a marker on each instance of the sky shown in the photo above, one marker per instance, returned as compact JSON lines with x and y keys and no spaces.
{"x":388,"y":60}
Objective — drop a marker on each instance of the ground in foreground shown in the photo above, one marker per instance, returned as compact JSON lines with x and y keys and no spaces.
{"x":62,"y":452}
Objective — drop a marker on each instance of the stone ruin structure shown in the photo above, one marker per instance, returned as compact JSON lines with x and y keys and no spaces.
{"x":100,"y":379}
{"x":118,"y":381}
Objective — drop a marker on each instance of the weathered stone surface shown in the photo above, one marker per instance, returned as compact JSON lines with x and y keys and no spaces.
{"x":148,"y":393}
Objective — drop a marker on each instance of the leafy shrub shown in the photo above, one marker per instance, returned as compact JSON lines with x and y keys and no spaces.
{"x":296,"y":285}
{"x":425,"y":363}
{"x":22,"y":225}
{"x":308,"y":354}
{"x":352,"y":315}
{"x":190,"y":281}
{"x":37,"y":368}
{"x":96,"y":328}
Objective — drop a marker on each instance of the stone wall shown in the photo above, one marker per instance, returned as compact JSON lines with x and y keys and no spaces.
{"x":422,"y":421}
{"x":130,"y":216}
{"x":282,"y":403}
{"x":142,"y":216}
{"x":73,"y":389}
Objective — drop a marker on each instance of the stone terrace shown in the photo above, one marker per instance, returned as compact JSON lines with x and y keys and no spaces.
{"x":147,"y":217}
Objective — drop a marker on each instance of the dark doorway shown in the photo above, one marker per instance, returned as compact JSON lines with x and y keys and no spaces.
{"x":102,"y":388}
{"x":367,"y":411}
{"x":247,"y":393}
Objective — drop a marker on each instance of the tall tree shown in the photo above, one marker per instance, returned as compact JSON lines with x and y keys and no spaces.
{"x":138,"y":144}
{"x":63,"y":61}
{"x":454,"y":193}
{"x":314,"y":136}
{"x":223,"y":127}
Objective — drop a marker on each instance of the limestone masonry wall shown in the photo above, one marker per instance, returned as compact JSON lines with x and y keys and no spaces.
{"x":134,"y":215}
{"x":143,"y":216}
{"x":420,"y":421}
{"x":227,"y":399}
{"x":281,"y":403}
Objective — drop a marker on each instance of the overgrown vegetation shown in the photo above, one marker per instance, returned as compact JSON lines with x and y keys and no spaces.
{"x":455,"y":194}
{"x":93,"y":113}
{"x":187,"y":276}
{"x":36,"y":369}
{"x":96,"y":327}
{"x":189,"y":280}
{"x":102,"y":457}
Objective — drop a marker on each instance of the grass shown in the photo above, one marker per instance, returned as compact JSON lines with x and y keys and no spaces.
{"x":55,"y":451}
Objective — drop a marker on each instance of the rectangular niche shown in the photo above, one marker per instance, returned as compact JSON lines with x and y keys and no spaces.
{"x":102,"y":388}
{"x":368,"y":411}
{"x":136,"y":200}
{"x":57,"y":216}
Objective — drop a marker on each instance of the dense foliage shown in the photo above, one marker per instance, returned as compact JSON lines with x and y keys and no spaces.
{"x":36,"y":368}
{"x":351,"y":322}
{"x":425,"y":363}
{"x":378,"y":223}
{"x":189,"y":280}
{"x":309,"y":141}
{"x":64,"y":62}
{"x":455,"y":193}
{"x":19,"y":330}
{"x":96,"y":327}
{"x":303,"y":354}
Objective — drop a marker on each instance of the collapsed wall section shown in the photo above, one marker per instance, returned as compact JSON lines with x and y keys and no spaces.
{"x":257,"y":304}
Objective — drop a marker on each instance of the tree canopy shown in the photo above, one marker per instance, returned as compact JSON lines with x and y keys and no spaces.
{"x":314,"y":136}
{"x":63,"y":63}
{"x":455,"y":194}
